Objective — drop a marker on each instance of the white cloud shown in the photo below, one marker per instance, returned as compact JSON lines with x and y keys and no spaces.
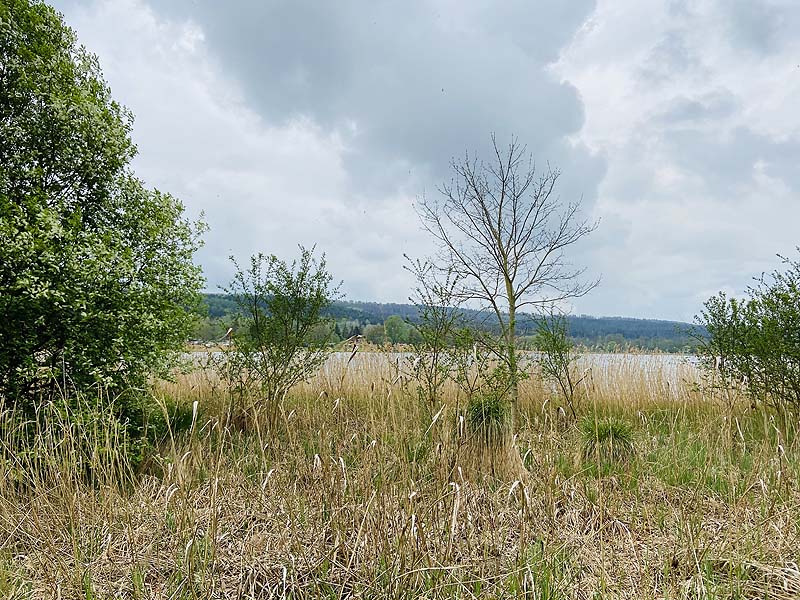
{"x":301,"y":123}
{"x":261,"y":186}
{"x":699,"y":127}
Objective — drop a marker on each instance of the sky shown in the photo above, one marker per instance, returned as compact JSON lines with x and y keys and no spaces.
{"x":675,"y":124}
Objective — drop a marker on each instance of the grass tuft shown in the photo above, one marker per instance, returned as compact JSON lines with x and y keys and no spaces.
{"x":606,"y":440}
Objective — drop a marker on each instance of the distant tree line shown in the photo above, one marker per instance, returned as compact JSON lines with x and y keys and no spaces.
{"x":382,"y":323}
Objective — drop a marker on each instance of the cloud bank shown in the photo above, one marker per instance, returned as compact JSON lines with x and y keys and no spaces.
{"x":320,"y":123}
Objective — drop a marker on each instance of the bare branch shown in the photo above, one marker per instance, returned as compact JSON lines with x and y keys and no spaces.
{"x":505,"y":233}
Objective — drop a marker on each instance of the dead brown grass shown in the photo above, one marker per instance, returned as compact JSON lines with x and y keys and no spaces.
{"x":360,"y":493}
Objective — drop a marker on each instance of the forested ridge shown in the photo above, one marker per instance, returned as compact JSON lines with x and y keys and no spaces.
{"x":602,"y":333}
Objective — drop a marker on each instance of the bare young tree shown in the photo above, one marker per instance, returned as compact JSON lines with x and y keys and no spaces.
{"x":438,"y":321}
{"x":503,"y":230}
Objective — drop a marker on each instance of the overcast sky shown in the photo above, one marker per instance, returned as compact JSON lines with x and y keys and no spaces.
{"x":297,"y":122}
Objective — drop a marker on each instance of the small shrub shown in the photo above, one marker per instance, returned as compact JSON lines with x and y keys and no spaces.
{"x":752,"y":342}
{"x":557,"y":356}
{"x":432,"y":360}
{"x":607,"y":440}
{"x":488,"y":417}
{"x":275,"y":338}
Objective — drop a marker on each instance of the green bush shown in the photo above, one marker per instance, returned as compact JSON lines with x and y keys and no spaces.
{"x":277,"y":339}
{"x":607,"y":440}
{"x":489,"y":417}
{"x":97,"y":283}
{"x":557,"y":356}
{"x":754,"y":342}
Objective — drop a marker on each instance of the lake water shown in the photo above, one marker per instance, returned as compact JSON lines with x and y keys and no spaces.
{"x":669,"y":367}
{"x":664,"y":366}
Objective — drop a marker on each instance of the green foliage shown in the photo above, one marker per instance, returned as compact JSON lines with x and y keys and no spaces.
{"x":557,"y":356}
{"x":323,"y":333}
{"x":474,"y":366}
{"x":220,"y":305}
{"x":439,"y":316}
{"x":209,"y":329}
{"x":607,"y":440}
{"x":610,"y":334}
{"x":486,"y":410}
{"x":488,"y":385}
{"x":755,"y":342}
{"x":489,"y":417}
{"x":277,"y":341}
{"x":97,"y":283}
{"x":397,"y":330}
{"x":375,"y":334}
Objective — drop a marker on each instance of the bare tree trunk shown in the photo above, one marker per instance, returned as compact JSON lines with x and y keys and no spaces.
{"x":511,"y":355}
{"x":510,"y":337}
{"x":504,"y":233}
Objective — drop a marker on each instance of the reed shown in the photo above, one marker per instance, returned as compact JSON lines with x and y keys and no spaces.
{"x":359,"y":492}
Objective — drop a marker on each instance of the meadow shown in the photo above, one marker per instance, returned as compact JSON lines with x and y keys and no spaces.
{"x":361,"y":491}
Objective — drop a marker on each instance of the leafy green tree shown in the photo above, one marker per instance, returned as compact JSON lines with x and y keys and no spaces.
{"x":97,"y":284}
{"x":210,"y":329}
{"x":277,"y":339}
{"x":324,"y":333}
{"x":220,"y":305}
{"x":756,"y":341}
{"x":396,"y":329}
{"x":375,"y":334}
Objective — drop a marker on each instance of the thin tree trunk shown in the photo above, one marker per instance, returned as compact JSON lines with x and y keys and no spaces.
{"x":511,"y":350}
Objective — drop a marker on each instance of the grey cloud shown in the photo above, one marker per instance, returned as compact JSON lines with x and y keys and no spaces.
{"x":756,"y":24}
{"x":678,"y":8}
{"x":671,"y":56}
{"x":761,"y":27}
{"x":709,"y":106}
{"x":407,"y":85}
{"x":728,"y":160}
{"x":319,"y":122}
{"x":540,"y":30}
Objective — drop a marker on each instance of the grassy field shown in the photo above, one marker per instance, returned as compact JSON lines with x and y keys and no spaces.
{"x":362,"y":492}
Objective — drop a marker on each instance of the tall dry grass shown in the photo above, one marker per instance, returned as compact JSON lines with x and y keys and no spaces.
{"x":361,"y":492}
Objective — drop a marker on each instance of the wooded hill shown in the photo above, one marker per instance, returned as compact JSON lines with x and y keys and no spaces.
{"x":601,"y":333}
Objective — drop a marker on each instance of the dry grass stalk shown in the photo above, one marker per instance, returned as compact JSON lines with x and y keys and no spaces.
{"x":358,"y":494}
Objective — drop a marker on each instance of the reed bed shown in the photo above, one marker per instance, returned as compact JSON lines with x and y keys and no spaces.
{"x":359,"y":493}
